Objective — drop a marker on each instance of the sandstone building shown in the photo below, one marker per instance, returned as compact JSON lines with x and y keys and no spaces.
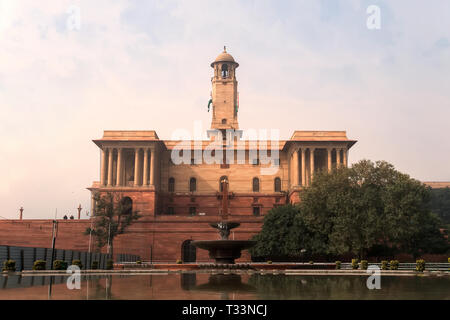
{"x":179,"y":200}
{"x":139,"y":165}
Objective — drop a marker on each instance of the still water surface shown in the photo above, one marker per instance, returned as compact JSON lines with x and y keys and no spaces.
{"x":219,"y":287}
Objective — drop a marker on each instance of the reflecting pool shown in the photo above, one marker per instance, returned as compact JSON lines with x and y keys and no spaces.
{"x":207,"y":286}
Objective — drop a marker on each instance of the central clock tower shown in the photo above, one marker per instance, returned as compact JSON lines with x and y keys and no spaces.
{"x":224,"y":93}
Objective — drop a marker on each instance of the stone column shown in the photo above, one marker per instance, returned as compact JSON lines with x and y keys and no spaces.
{"x":119,"y":167}
{"x":145,"y":175}
{"x":303,"y":167}
{"x":338,"y":158}
{"x":136,"y":166}
{"x":152,"y":166}
{"x":311,"y":163}
{"x":345,"y":156}
{"x":329,"y":150}
{"x":103,"y":168}
{"x":110,"y":166}
{"x":295,"y":168}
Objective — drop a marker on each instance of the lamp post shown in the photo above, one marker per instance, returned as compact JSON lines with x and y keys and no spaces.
{"x":79,"y":211}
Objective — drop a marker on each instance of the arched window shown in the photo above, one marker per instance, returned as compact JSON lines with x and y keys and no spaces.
{"x":192,"y":185}
{"x":277,"y":184}
{"x":255,"y":185}
{"x":171,"y":184}
{"x":224,"y":71}
{"x":222,"y":178}
{"x":224,"y":121}
{"x":126,"y":205}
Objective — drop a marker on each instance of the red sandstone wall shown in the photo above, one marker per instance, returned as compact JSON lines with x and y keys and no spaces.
{"x":144,"y":201}
{"x":162,"y":235}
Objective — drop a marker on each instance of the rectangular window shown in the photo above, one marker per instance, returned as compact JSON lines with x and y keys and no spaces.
{"x":256,"y":211}
{"x":171,"y":210}
{"x":192,"y":211}
{"x":255,"y":161}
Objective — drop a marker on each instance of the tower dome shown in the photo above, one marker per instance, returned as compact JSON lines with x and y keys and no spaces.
{"x":224,"y":57}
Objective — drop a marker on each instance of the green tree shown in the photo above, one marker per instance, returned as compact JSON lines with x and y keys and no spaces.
{"x":113,"y":214}
{"x":283,"y":234}
{"x":355,"y":210}
{"x":370,"y":204}
{"x":440,"y":204}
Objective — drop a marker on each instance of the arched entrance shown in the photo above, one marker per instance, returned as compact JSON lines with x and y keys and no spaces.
{"x":127,"y":206}
{"x":188,"y":252}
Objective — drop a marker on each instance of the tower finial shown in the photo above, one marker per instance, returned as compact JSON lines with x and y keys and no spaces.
{"x":224,"y":48}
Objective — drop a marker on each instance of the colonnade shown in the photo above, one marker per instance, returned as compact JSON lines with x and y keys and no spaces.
{"x":144,"y":166}
{"x":302,"y":163}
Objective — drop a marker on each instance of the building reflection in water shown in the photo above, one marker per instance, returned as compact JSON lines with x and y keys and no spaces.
{"x":220,"y":283}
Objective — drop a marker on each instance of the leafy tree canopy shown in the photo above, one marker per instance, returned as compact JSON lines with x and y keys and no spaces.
{"x":440,"y":203}
{"x":352,"y":210}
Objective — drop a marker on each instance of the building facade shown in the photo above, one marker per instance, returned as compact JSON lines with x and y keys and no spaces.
{"x":261,"y":174}
{"x":175,"y":185}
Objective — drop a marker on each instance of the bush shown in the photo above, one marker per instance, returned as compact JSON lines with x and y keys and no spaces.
{"x":420,"y":265}
{"x":77,"y":263}
{"x":364,"y":264}
{"x":311,"y":262}
{"x":39,"y":265}
{"x":394,"y":264}
{"x":338,"y":264}
{"x":448,"y":260}
{"x":139,"y":262}
{"x":384,"y":265}
{"x":179,"y":261}
{"x":94,"y":265}
{"x":269,"y":262}
{"x":9,"y":265}
{"x":355,"y":264}
{"x":109,"y":264}
{"x":59,"y":265}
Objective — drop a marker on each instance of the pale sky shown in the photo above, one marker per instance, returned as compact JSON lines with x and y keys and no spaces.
{"x":135,"y":65}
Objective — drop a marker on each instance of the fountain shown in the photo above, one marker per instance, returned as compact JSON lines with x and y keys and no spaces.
{"x":224,"y":251}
